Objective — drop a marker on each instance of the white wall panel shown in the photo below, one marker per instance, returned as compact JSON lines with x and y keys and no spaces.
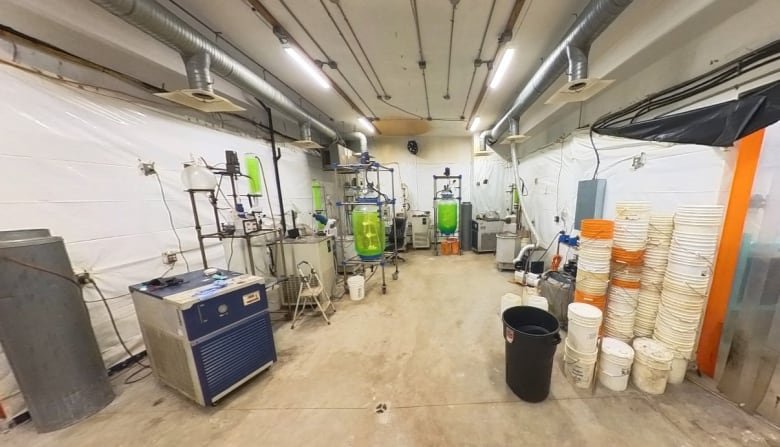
{"x":673,"y":175}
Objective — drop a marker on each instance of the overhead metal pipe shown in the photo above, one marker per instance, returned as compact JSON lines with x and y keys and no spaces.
{"x":152,"y":18}
{"x":361,"y":138}
{"x":593,"y":20}
{"x":513,"y":130}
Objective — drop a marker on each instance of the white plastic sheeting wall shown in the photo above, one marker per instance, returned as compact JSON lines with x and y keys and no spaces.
{"x":417,"y":171}
{"x":673,"y":174}
{"x":491,"y":185}
{"x":69,"y":162}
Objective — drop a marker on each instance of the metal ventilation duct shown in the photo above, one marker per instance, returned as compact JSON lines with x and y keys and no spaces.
{"x":150,"y":17}
{"x":593,"y":20}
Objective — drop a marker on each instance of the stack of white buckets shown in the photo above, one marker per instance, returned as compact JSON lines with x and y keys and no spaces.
{"x":659,"y":237}
{"x":632,"y":221}
{"x":686,"y":283}
{"x":581,"y":348}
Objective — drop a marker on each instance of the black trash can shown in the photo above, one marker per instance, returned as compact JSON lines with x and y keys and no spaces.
{"x":531,"y":336}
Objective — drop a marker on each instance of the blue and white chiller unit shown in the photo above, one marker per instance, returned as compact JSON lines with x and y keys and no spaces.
{"x":205,"y":335}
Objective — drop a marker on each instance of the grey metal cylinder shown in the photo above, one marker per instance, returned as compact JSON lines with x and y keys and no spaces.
{"x":465,"y":226}
{"x":46,"y":332}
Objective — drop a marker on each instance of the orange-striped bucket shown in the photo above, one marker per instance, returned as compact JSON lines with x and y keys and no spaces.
{"x":624,"y":284}
{"x":597,"y":229}
{"x":599,"y":301}
{"x":624,"y":256}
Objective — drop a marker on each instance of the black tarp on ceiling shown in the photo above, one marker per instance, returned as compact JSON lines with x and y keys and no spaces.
{"x":717,"y":125}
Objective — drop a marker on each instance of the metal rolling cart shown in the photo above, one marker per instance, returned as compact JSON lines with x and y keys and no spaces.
{"x":383,"y":202}
{"x":448,"y":181}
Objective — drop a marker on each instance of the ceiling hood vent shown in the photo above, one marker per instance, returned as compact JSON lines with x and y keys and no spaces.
{"x":202,"y":100}
{"x":579,"y":90}
{"x":306,"y":142}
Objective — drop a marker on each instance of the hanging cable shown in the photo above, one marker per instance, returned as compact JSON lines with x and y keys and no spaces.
{"x":744,"y":64}
{"x":595,"y":151}
{"x":129,"y":379}
{"x":170,"y":219}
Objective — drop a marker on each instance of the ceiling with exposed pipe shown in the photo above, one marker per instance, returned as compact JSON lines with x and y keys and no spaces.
{"x":371,"y":53}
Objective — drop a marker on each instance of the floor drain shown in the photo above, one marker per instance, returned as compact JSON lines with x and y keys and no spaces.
{"x":380,"y":408}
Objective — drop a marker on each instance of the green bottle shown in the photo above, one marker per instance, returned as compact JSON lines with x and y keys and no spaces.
{"x":255,"y":181}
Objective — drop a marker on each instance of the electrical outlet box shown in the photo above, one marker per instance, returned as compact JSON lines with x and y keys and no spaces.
{"x":146,"y":168}
{"x":590,"y":200}
{"x":169,"y":257}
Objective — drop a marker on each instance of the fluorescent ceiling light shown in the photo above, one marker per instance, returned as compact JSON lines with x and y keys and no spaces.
{"x":307,"y":66}
{"x":474,"y":125}
{"x":365,"y":124}
{"x":503,"y":66}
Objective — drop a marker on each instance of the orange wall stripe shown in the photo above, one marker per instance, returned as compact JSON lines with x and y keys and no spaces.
{"x":749,"y":149}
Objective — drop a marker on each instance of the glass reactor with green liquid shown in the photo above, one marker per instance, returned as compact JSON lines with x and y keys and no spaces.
{"x":447,"y":213}
{"x":368,"y":229}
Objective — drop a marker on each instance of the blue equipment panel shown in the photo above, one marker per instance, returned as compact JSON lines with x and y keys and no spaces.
{"x":225,"y":358}
{"x":214,"y":313}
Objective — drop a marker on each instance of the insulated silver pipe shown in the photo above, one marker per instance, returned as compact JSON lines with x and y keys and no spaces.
{"x":152,"y":18}
{"x":361,"y":137}
{"x":593,"y":20}
{"x":514,"y":130}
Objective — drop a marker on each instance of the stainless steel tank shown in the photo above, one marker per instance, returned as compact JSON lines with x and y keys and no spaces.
{"x":46,"y":332}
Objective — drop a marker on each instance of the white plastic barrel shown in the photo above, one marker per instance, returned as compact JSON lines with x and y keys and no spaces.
{"x":510,"y":300}
{"x":537,"y":301}
{"x":652,"y":363}
{"x":615,"y":364}
{"x":584,"y":323}
{"x":579,"y":366}
{"x":357,"y":287}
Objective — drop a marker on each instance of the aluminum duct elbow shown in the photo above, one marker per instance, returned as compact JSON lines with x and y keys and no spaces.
{"x":593,"y":20}
{"x":152,"y":18}
{"x":578,"y":63}
{"x":198,"y":68}
{"x":361,"y":138}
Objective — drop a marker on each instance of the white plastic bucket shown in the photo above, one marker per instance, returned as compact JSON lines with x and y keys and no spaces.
{"x":652,"y":363}
{"x":584,"y":323}
{"x":579,"y":366}
{"x":357,"y":287}
{"x":510,"y":300}
{"x":595,"y":244}
{"x":615,"y":363}
{"x":679,"y":368}
{"x":630,"y":210}
{"x":539,"y":302}
{"x":601,"y":266}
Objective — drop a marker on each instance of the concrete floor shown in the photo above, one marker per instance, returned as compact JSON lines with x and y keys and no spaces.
{"x":432,"y":351}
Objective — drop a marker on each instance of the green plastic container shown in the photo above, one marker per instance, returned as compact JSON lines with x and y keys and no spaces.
{"x":316,"y":199}
{"x":368,"y":229}
{"x":254,"y":179}
{"x":447,"y":214}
